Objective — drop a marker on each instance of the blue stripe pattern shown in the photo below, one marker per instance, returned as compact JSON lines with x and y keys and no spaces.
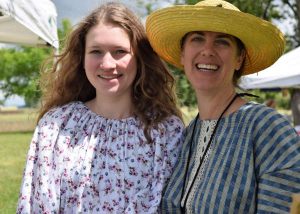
{"x":253,"y":167}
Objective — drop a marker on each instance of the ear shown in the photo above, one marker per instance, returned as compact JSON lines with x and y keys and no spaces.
{"x":240,"y":60}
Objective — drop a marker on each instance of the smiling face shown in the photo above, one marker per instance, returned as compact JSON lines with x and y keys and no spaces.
{"x":109,"y":61}
{"x":210,"y":59}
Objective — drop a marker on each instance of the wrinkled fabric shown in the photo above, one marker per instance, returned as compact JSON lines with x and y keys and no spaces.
{"x":80,"y":162}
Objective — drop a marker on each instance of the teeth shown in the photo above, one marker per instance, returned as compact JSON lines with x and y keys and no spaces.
{"x":207,"y":67}
{"x":109,"y":77}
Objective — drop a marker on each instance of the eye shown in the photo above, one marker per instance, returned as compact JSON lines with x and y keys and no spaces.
{"x":223,"y":41}
{"x":95,"y":51}
{"x":121,"y":51}
{"x":197,"y":38}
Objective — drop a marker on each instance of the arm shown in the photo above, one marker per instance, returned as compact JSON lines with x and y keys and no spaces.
{"x":277,"y":163}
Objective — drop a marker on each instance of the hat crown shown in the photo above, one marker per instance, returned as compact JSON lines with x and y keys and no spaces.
{"x":217,"y":3}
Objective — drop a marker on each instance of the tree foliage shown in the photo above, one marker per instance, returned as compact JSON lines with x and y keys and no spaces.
{"x":19,"y":72}
{"x":20,"y":69}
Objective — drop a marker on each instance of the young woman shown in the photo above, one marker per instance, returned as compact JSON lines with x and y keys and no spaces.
{"x":109,"y":129}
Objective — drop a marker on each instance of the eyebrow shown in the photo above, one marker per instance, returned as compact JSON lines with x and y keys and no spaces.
{"x":105,"y":46}
{"x":221,"y":35}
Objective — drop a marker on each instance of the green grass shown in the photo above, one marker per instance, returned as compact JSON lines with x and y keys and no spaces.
{"x":13,"y":152}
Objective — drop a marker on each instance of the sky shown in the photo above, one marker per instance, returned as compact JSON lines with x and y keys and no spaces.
{"x":75,"y":10}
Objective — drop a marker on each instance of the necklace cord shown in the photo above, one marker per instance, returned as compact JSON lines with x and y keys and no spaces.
{"x":204,"y":154}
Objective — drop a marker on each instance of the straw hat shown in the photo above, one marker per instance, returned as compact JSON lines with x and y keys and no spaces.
{"x":263,"y":41}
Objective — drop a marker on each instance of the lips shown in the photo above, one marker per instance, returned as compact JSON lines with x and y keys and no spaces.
{"x":110,"y":77}
{"x":206,"y":67}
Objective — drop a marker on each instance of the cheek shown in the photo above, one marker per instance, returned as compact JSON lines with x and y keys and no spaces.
{"x":130,"y":63}
{"x":90,"y":63}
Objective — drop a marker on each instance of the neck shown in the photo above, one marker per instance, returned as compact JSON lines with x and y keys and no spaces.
{"x":211,"y":105}
{"x":111,"y":108}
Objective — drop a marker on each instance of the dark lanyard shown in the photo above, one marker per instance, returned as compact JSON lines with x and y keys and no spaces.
{"x":205,"y":152}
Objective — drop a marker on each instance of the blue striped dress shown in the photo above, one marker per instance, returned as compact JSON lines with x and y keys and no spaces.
{"x":253,"y":166}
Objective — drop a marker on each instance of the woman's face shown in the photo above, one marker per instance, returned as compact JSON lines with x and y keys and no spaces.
{"x":109,"y":62}
{"x":210,"y":59}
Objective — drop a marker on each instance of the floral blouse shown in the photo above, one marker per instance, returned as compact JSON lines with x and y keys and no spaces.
{"x":80,"y":162}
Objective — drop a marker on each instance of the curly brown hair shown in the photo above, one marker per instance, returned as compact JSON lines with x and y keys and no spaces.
{"x":153,"y":91}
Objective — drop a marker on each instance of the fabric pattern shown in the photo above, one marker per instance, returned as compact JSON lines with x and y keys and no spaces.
{"x":80,"y":162}
{"x":253,"y":167}
{"x":207,"y":128}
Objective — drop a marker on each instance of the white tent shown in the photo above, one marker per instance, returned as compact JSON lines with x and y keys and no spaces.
{"x":28,"y":22}
{"x":284,"y":73}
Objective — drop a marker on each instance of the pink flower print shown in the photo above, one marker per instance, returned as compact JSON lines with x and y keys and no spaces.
{"x":142,"y":159}
{"x":129,"y":146}
{"x":108,"y":188}
{"x":111,"y":153}
{"x":115,"y":168}
{"x":95,"y":190}
{"x":159,"y":160}
{"x":118,"y":183}
{"x":126,"y":199}
{"x":115,"y":203}
{"x":50,"y":193}
{"x":145,"y":174}
{"x":145,"y":207}
{"x":132,"y":171}
{"x":128,"y":184}
{"x":107,"y":207}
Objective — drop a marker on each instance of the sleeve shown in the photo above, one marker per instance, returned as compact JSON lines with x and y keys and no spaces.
{"x":33,"y":197}
{"x":277,"y":163}
{"x":28,"y":182}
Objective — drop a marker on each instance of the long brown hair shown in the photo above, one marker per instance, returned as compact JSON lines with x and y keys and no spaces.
{"x":153,"y":95}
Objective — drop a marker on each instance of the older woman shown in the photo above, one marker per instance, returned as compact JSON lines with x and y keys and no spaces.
{"x":238,"y":156}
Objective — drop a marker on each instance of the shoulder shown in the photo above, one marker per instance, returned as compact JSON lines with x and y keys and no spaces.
{"x":61,"y":113}
{"x":265,"y":121}
{"x":260,"y":113}
{"x":172,"y":124}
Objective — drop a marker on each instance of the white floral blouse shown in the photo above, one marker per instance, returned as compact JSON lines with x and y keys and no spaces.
{"x":80,"y":162}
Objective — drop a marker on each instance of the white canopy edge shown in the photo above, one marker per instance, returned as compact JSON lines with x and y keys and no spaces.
{"x":284,"y":73}
{"x":29,"y":22}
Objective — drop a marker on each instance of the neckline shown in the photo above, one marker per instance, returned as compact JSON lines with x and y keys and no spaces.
{"x":88,"y":110}
{"x":205,"y":151}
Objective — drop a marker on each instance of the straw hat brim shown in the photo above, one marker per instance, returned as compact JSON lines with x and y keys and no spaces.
{"x":263,"y":41}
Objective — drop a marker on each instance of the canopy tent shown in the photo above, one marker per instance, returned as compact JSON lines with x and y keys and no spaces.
{"x":28,"y":22}
{"x":284,"y":73}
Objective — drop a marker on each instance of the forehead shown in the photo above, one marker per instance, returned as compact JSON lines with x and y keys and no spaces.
{"x":107,"y":34}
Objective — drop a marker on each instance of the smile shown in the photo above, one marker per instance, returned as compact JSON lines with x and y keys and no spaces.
{"x":110,"y":77}
{"x":207,"y":67}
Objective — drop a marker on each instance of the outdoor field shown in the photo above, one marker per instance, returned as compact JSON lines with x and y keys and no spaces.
{"x":16,"y":128}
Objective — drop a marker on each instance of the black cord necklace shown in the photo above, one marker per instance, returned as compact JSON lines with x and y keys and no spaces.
{"x":205,"y":152}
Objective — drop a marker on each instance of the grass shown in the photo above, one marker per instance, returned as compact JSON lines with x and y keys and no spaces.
{"x":13,"y":152}
{"x":16,"y":128}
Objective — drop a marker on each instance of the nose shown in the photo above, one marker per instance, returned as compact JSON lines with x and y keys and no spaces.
{"x":208,"y":49}
{"x":108,"y":62}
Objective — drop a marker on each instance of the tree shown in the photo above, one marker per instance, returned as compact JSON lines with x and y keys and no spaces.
{"x":19,"y":72}
{"x":20,"y":69}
